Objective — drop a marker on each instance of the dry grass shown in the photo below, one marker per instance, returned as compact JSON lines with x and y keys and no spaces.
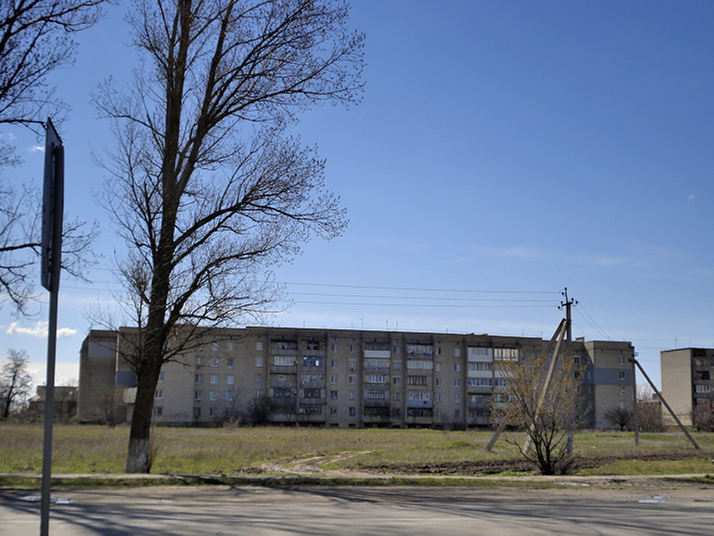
{"x":96,"y":449}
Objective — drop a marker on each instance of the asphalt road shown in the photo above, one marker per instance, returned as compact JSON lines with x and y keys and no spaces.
{"x":363,"y":511}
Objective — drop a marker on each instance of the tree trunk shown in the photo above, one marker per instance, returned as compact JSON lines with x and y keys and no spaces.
{"x":139,"y":456}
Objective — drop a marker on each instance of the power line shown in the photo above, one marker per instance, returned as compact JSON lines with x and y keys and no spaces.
{"x":417,"y":289}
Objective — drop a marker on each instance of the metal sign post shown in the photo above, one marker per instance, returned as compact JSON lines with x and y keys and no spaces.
{"x":52,"y":208}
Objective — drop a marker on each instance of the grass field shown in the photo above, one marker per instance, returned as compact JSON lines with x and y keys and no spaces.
{"x":194,"y":451}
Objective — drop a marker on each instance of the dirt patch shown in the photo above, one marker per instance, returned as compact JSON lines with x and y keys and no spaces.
{"x":494,"y":467}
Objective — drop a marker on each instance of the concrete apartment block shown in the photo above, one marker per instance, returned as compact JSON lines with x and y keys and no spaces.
{"x":686,"y":382}
{"x":342,"y":378}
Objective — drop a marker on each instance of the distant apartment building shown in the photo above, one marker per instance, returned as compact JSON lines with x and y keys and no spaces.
{"x":341,"y":378}
{"x":687,"y":383}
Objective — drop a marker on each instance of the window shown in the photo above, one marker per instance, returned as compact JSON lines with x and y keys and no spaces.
{"x":158,"y":411}
{"x":479,"y":382}
{"x":622,"y":391}
{"x":312,"y":377}
{"x":396,"y":380}
{"x":437,"y":382}
{"x":333,"y":410}
{"x":313,"y":345}
{"x":161,"y":376}
{"x":480,"y":366}
{"x":457,"y":382}
{"x":418,"y":395}
{"x":457,"y":352}
{"x":457,"y":367}
{"x":352,"y":395}
{"x":214,"y":361}
{"x":702,"y":388}
{"x":230,"y":346}
{"x":622,"y":360}
{"x":437,"y":367}
{"x":159,"y":394}
{"x":213,"y":395}
{"x":577,"y":374}
{"x":311,"y":361}
{"x":376,"y":378}
{"x":333,"y":378}
{"x":414,"y":349}
{"x":199,"y":360}
{"x":397,"y":350}
{"x":353,"y":379}
{"x":211,"y":412}
{"x":258,"y":362}
{"x":229,"y":396}
{"x":198,"y":378}
{"x":258,"y":378}
{"x":501,"y":382}
{"x":258,"y":393}
{"x":622,"y":375}
{"x":438,"y":398}
{"x":353,"y":365}
{"x":576,"y":359}
{"x":281,"y":393}
{"x":333,"y":395}
{"x":214,"y":378}
{"x":353,"y":348}
{"x":397,"y":365}
{"x":416,"y":380}
{"x":258,"y":345}
{"x":376,"y":363}
{"x":229,"y":379}
{"x":414,"y":364}
{"x":333,"y":363}
{"x":334,"y":347}
{"x":215,"y":346}
{"x":196,"y":413}
{"x":284,"y":361}
{"x":312,"y":393}
{"x":396,"y":397}
{"x":197,"y":395}
{"x":438,"y":350}
{"x":376,"y":395}
{"x":457,"y":413}
{"x":229,"y":362}
{"x":505,"y":354}
{"x":353,"y":412}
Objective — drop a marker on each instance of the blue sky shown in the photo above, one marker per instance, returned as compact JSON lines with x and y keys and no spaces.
{"x":501,"y":151}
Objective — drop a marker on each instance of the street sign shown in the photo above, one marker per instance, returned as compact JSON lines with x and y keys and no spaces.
{"x":52,"y":208}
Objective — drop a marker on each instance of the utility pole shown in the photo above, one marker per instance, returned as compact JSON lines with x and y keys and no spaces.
{"x":567,"y":305}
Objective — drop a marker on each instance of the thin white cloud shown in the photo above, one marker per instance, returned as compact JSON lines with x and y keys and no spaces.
{"x":39,"y":330}
{"x":691,"y":197}
{"x":515,"y":252}
{"x":35,"y":148}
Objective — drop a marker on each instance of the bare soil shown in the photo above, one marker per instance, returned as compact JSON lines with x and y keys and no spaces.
{"x":495,"y":467}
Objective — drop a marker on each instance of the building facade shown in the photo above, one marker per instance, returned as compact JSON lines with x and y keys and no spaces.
{"x":342,"y":378}
{"x":687,"y":385}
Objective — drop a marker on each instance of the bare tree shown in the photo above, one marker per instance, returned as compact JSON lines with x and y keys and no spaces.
{"x":649,"y":411}
{"x":20,"y":246}
{"x":35,"y":39}
{"x":15,"y":382}
{"x":206,"y":188}
{"x":618,"y":416}
{"x":548,"y":416}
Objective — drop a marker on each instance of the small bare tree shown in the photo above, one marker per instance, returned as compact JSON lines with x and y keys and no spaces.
{"x":206,"y":188}
{"x":15,"y":382}
{"x":548,"y":416}
{"x":618,"y":416}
